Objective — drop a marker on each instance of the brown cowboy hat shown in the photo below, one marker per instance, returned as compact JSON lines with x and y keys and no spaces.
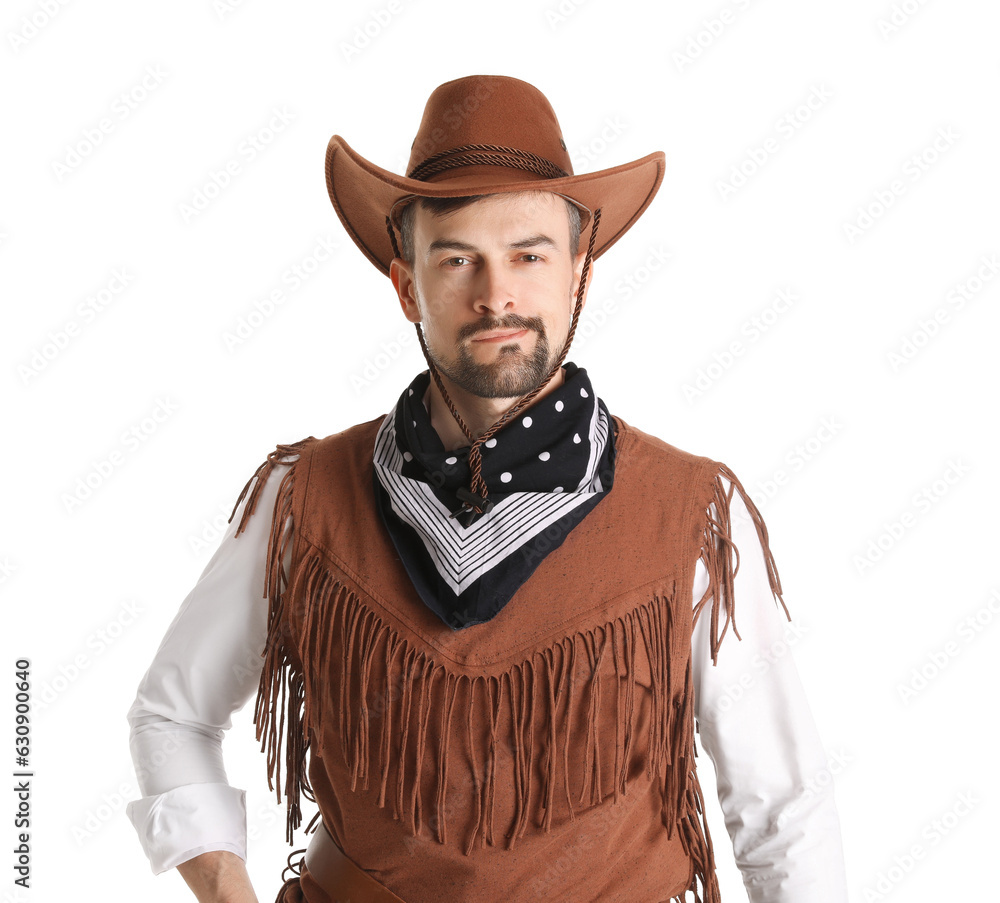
{"x":483,"y":134}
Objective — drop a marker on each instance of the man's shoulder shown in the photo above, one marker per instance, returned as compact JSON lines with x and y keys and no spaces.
{"x":357,"y":435}
{"x":653,"y":446}
{"x":339,"y":448}
{"x":358,"y":432}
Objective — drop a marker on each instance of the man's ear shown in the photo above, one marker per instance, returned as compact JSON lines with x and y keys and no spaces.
{"x":401,"y":274}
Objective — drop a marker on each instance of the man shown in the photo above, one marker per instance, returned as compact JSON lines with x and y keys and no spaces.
{"x":494,"y":614}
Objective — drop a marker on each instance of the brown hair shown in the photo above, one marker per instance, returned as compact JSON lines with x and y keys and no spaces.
{"x":444,"y":206}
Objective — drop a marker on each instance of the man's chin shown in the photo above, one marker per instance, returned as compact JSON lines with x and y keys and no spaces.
{"x":497,"y":381}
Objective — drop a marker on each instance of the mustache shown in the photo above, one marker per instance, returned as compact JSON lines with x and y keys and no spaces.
{"x":511,"y":321}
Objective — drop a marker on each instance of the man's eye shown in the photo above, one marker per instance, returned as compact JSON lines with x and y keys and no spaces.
{"x":533,"y":256}
{"x":452,"y":261}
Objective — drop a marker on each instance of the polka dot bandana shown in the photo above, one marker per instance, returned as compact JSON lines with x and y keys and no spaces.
{"x":546,"y":470}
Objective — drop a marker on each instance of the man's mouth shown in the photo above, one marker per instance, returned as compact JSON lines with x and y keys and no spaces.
{"x":500,"y":335}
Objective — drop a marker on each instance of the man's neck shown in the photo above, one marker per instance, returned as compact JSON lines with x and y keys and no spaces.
{"x":478,"y":413}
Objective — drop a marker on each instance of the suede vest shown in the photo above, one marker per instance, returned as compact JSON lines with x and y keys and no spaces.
{"x":547,"y":754}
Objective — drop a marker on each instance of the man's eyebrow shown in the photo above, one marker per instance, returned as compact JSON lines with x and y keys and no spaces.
{"x":535,"y":241}
{"x":453,"y":244}
{"x":449,"y":244}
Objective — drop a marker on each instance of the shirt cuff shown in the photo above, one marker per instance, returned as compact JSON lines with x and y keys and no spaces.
{"x":182,"y":823}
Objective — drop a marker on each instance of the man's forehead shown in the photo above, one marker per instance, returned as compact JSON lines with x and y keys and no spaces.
{"x":518,"y":209}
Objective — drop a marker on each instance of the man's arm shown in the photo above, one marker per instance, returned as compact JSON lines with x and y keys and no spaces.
{"x":207,"y":666}
{"x":756,"y":725}
{"x":218,"y":877}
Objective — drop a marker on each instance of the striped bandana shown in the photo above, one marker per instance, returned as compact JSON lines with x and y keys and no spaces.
{"x":546,"y":470}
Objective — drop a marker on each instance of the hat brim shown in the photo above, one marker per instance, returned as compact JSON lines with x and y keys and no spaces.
{"x":363,"y":194}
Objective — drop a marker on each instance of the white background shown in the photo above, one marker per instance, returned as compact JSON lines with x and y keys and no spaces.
{"x":96,"y":580}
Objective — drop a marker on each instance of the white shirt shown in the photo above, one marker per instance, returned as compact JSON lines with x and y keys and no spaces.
{"x":783,"y":823}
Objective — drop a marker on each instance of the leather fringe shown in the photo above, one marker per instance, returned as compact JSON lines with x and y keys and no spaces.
{"x":535,"y":690}
{"x":260,"y":475}
{"x":722,"y":558}
{"x":280,"y":701}
{"x":722,"y":561}
{"x":543,"y":691}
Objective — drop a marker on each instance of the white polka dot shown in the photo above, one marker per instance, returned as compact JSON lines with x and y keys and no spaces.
{"x":544,"y":456}
{"x":411,"y":391}
{"x":414,"y":422}
{"x":527,"y":421}
{"x":489,"y":443}
{"x":576,"y":438}
{"x":505,"y":477}
{"x":558,"y":489}
{"x":583,"y":393}
{"x":451,"y":460}
{"x":559,"y":405}
{"x":407,"y":456}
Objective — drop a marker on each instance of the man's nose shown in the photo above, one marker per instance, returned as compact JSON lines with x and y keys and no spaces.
{"x":494,"y":290}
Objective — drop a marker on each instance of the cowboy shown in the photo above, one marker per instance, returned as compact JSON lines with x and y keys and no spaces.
{"x":490,"y":618}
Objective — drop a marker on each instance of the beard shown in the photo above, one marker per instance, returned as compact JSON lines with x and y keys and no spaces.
{"x":513,"y":374}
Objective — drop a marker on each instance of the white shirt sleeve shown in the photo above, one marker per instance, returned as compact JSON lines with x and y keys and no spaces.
{"x":207,"y":667}
{"x":756,"y":725}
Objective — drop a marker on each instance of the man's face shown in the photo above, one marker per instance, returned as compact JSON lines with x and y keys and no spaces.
{"x":493,"y":285}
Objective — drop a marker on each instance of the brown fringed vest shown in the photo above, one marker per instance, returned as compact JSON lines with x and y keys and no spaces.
{"x":547,"y":754}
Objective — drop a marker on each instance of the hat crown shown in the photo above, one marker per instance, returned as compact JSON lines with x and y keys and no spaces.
{"x":488,"y":110}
